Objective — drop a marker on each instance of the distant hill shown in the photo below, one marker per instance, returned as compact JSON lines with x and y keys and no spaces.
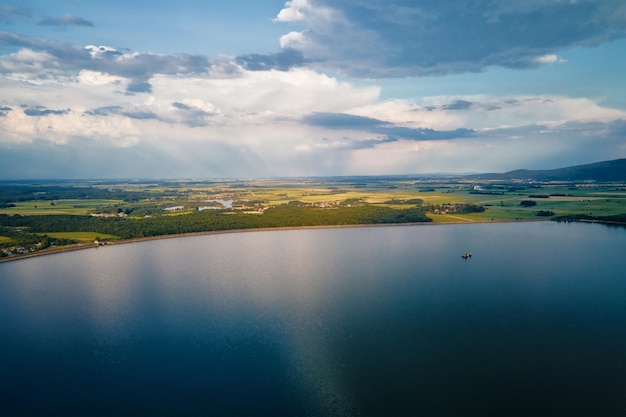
{"x":614,"y":170}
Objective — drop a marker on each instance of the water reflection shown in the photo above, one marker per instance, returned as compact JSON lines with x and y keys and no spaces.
{"x":370,"y":321}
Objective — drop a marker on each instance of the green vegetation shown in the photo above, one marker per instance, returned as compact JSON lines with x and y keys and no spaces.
{"x":46,"y":207}
{"x":34,"y":217}
{"x":83,"y":236}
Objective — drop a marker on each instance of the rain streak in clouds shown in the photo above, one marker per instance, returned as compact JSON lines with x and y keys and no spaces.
{"x":323,"y":101}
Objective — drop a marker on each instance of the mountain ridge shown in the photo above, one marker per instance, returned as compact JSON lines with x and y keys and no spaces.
{"x":612,"y":170}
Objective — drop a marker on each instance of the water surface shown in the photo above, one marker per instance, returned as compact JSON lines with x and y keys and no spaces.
{"x":358,"y":321}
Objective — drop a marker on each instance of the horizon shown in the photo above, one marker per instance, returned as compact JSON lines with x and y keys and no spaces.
{"x":426,"y":175}
{"x":308,"y":88}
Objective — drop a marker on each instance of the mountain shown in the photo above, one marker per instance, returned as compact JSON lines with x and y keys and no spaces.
{"x":614,"y":170}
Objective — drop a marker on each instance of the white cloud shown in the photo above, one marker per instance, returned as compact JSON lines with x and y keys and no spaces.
{"x":278,"y":93}
{"x":294,"y":11}
{"x":292,"y":40}
{"x":256,"y":120}
{"x":100,"y":51}
{"x":549,"y":59}
{"x":225,"y":120}
{"x":62,"y":129}
{"x":87,"y":77}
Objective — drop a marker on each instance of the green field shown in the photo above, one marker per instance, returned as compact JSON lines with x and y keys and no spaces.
{"x":501,"y":201}
{"x":82,"y":236}
{"x":45,"y":207}
{"x":137,"y":210}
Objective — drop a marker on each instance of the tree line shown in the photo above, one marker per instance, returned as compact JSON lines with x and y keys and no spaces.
{"x":286,"y":215}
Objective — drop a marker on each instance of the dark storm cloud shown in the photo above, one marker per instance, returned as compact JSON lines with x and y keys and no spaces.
{"x":66,"y":20}
{"x":282,"y":61}
{"x":388,"y":130}
{"x":406,"y":38}
{"x":42,"y":111}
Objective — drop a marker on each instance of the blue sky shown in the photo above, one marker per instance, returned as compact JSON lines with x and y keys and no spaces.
{"x":205,"y":89}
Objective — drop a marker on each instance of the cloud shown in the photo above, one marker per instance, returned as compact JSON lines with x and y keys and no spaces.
{"x":196,"y":113}
{"x":282,"y":61}
{"x":388,"y":131}
{"x":458,"y":105}
{"x":549,"y":59}
{"x":293,"y":11}
{"x":65,"y":20}
{"x":139,"y":87}
{"x":398,"y":38}
{"x":273,"y":114}
{"x":292,"y":40}
{"x":11,"y":14}
{"x":141,"y":115}
{"x":44,"y":112}
{"x":342,"y":121}
{"x":104,"y":111}
{"x":181,"y":106}
{"x":45,"y":58}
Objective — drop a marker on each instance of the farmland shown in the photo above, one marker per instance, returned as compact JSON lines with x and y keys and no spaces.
{"x":51,"y":207}
{"x":35,"y":217}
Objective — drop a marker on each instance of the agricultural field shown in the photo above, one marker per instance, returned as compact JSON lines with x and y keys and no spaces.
{"x":83,"y":236}
{"x":35,"y":217}
{"x":47,"y":207}
{"x":501,"y":201}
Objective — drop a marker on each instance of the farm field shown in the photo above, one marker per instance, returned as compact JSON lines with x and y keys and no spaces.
{"x":46,"y":207}
{"x":501,"y":201}
{"x":35,"y":217}
{"x":83,"y":236}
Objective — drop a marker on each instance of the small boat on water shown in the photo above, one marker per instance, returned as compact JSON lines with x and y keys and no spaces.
{"x":466,"y":255}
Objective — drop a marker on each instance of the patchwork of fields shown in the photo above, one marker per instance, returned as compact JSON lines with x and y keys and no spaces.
{"x":35,"y":217}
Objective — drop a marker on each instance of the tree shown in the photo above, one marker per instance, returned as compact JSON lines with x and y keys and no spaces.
{"x":528,"y":203}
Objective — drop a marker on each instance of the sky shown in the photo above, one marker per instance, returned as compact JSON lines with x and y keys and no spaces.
{"x":256,"y":89}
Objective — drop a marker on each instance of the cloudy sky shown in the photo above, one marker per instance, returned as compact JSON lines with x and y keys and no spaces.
{"x":241,"y":88}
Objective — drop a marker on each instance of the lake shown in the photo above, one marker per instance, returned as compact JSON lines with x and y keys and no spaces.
{"x":369,"y":321}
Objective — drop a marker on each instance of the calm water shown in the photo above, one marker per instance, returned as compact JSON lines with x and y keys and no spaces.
{"x":366,"y":321}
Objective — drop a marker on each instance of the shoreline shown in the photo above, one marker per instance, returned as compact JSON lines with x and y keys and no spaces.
{"x":81,"y":246}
